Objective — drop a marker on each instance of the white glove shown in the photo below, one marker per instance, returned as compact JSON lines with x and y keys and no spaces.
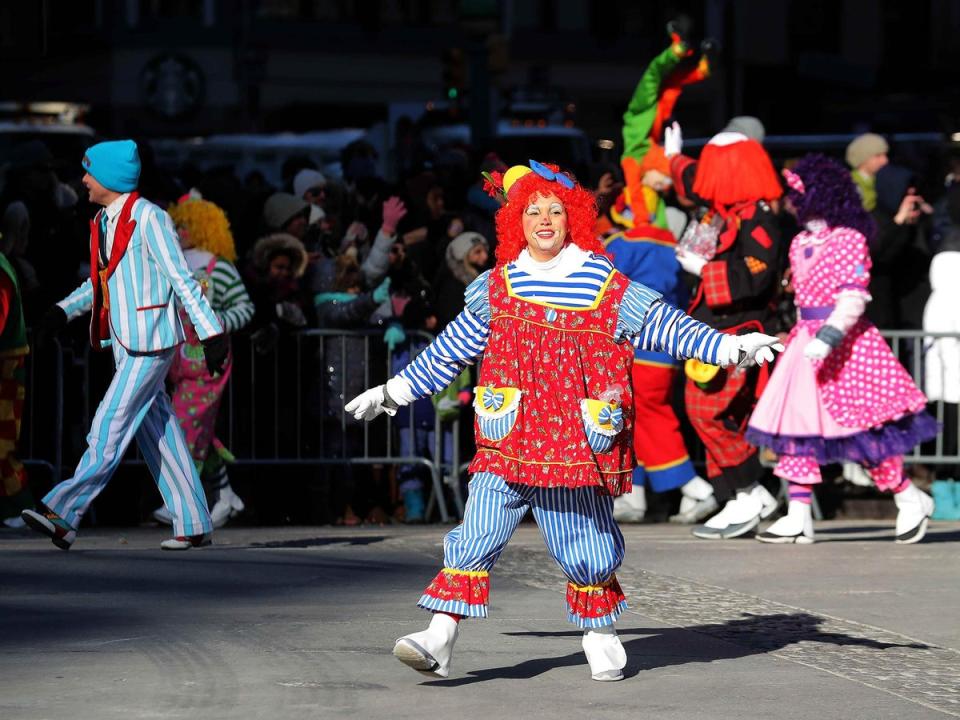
{"x":758,"y":347}
{"x":691,"y":262}
{"x":672,"y":140}
{"x":816,"y":349}
{"x":368,"y":404}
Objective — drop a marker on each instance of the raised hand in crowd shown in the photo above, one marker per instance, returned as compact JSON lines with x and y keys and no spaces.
{"x":393,"y":212}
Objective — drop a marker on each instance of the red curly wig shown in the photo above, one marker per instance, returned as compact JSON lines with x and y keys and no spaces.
{"x":580,"y":204}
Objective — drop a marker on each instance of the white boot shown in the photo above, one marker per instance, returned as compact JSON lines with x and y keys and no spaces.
{"x":631,"y":508}
{"x":697,"y":501}
{"x":430,"y":650}
{"x":738,"y":517}
{"x":794,"y":527}
{"x":768,"y":502}
{"x":605,"y":653}
{"x":227,"y":506}
{"x":914,"y":508}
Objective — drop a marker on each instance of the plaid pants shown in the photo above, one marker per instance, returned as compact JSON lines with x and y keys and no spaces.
{"x":719,"y":414}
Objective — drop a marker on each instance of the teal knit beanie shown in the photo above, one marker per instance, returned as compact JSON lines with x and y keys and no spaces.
{"x":115,"y":165}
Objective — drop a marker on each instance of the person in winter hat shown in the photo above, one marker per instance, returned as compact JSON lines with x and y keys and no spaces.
{"x":556,"y":325}
{"x":139,"y":280}
{"x":286,"y":213}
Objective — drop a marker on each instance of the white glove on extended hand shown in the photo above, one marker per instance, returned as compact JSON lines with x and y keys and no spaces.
{"x":368,"y":404}
{"x":757,"y":348}
{"x":816,"y":349}
{"x":672,"y":140}
{"x":691,"y":262}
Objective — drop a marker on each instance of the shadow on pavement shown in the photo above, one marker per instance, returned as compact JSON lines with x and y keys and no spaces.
{"x":664,"y":647}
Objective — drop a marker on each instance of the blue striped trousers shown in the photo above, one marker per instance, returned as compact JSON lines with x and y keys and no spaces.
{"x":577,"y":527}
{"x":137,"y":405}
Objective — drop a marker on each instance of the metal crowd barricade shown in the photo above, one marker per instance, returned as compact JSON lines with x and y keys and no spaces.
{"x":281,"y":409}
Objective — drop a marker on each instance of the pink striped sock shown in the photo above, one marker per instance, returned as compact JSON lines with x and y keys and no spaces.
{"x":800,"y":493}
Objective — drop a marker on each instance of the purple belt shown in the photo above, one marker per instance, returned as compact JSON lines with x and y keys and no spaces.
{"x":816,"y":313}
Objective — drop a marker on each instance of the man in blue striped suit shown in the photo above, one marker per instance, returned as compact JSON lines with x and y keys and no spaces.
{"x":138,"y":279}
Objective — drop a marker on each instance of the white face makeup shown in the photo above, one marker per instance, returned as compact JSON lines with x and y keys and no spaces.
{"x":544,"y":226}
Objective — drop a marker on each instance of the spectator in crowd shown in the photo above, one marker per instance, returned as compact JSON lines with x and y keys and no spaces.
{"x":311,"y":186}
{"x":901,"y":261}
{"x":14,"y":240}
{"x":480,"y":209}
{"x":866,"y":154}
{"x":432,"y":226}
{"x":279,"y":261}
{"x":286,"y":213}
{"x":205,"y":237}
{"x":465,"y":258}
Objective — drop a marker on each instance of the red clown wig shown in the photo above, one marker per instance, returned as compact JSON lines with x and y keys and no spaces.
{"x":734,"y":169}
{"x":580,"y":205}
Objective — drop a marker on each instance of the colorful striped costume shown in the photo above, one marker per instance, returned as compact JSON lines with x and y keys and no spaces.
{"x":139,"y":279}
{"x":555,"y":344}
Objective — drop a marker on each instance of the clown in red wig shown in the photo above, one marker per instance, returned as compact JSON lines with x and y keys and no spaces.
{"x":737,"y":284}
{"x":556,"y":326}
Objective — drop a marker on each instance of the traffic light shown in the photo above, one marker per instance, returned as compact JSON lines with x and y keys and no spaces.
{"x":454,"y":72}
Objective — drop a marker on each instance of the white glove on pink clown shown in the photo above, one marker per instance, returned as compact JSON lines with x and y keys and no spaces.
{"x":816,"y":349}
{"x":691,"y":262}
{"x":381,"y":399}
{"x":748,"y":350}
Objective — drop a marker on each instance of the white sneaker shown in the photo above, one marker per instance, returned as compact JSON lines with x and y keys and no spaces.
{"x":162,"y":515}
{"x":228,"y":506}
{"x":631,"y":508}
{"x":794,"y":527}
{"x":738,"y":517}
{"x":605,"y":653}
{"x":185,"y":542}
{"x":430,"y":651}
{"x":914,"y":508}
{"x":768,"y":502}
{"x":697,"y":502}
{"x":14,"y":523}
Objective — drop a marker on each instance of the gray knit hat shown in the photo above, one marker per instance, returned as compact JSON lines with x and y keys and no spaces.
{"x":280,"y":208}
{"x":747,"y":125}
{"x":864,"y":147}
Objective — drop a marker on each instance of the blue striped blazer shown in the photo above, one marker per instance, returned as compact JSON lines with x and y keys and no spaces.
{"x":150,"y":284}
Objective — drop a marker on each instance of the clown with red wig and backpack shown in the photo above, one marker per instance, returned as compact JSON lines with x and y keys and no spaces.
{"x":734,"y":250}
{"x":556,"y":326}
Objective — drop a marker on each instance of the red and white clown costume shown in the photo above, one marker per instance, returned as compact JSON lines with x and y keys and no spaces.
{"x":556,"y":326}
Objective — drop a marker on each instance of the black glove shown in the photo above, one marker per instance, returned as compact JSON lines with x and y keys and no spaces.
{"x":215,"y":351}
{"x":54,"y":320}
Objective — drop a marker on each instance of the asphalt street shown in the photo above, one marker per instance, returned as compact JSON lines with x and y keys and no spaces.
{"x":280,"y":623}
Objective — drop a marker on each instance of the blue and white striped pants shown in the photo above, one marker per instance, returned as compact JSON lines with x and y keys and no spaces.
{"x":577,"y":526}
{"x":137,"y":404}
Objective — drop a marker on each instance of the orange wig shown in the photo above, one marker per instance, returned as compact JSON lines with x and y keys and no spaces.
{"x":580,"y":205}
{"x":735,"y":172}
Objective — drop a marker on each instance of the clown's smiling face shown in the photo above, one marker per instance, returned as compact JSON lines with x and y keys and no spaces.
{"x":544,"y":226}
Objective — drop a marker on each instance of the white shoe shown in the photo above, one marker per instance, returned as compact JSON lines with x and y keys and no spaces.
{"x":794,"y":527}
{"x":185,"y":542}
{"x":914,"y":508}
{"x":738,"y":517}
{"x":228,"y":506}
{"x":856,"y":474}
{"x":162,"y":515}
{"x":605,"y":653}
{"x":430,"y":651}
{"x":14,"y":523}
{"x":768,"y":502}
{"x":697,"y":502}
{"x":631,"y":508}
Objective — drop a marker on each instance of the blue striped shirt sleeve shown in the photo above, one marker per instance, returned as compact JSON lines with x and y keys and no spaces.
{"x":669,"y":330}
{"x":460,"y":344}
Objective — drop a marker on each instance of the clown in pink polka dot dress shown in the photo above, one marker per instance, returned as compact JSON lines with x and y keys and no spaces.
{"x":838,"y":393}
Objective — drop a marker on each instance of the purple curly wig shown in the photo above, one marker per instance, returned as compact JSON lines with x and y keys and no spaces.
{"x":829,"y":195}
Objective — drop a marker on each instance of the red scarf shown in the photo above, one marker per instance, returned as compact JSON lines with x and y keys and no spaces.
{"x":100,"y":314}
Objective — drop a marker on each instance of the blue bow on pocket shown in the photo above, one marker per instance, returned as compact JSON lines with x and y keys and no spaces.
{"x":612,"y":416}
{"x":492,"y":400}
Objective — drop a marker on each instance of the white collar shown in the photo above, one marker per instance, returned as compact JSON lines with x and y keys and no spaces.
{"x":114,"y":208}
{"x":570,"y":259}
{"x":817,"y":232}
